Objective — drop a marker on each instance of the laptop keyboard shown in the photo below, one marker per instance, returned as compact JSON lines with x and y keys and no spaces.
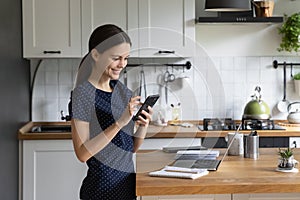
{"x":206,"y":163}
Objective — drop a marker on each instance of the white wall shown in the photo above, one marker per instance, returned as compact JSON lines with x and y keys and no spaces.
{"x":199,"y":97}
{"x":231,"y":60}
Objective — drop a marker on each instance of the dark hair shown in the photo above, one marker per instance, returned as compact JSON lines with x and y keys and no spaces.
{"x":107,"y":36}
{"x":102,"y":38}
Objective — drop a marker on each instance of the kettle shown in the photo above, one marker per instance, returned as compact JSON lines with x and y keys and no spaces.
{"x":256,"y":108}
{"x":293,"y":117}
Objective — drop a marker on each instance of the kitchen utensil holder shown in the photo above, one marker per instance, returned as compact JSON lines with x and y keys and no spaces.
{"x":276,"y":64}
{"x":187,"y":65}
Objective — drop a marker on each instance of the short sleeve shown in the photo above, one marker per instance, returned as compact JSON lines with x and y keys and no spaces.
{"x":81,"y":104}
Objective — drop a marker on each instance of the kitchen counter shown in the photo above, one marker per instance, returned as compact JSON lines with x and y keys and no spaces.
{"x":25,"y":132}
{"x":169,"y":131}
{"x":235,"y":175}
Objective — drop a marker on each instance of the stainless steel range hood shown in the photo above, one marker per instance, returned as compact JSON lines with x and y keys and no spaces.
{"x":203,"y":16}
{"x":238,"y":17}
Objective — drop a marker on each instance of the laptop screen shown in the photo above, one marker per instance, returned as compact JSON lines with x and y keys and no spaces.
{"x":209,"y":164}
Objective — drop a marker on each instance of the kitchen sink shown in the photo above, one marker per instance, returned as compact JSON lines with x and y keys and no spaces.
{"x":51,"y":129}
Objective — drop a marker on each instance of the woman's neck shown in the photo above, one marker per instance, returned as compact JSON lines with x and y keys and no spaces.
{"x":102,"y":83}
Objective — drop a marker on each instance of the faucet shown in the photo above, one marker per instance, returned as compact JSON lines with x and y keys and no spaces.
{"x":67,"y":117}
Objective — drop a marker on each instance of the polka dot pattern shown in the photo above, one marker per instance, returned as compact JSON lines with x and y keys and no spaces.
{"x":110,"y":173}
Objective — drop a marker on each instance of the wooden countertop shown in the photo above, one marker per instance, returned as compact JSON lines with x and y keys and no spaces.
{"x":25,"y":132}
{"x":235,"y":175}
{"x":169,"y":131}
{"x":193,"y":132}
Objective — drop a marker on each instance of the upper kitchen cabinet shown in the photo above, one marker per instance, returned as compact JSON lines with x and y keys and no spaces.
{"x":51,"y":28}
{"x":118,"y":12}
{"x":157,"y":28}
{"x":61,"y":28}
{"x":166,"y":28}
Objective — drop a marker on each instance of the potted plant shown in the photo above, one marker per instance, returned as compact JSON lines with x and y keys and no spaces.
{"x":290,"y":31}
{"x":286,"y":158}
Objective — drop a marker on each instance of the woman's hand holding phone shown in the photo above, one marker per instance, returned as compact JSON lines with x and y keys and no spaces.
{"x":145,"y":117}
{"x":145,"y":112}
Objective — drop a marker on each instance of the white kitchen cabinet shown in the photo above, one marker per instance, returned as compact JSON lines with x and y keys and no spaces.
{"x":294,"y":142}
{"x":269,"y":196}
{"x":122,"y":13}
{"x":153,"y":25}
{"x":61,"y":28}
{"x":51,"y":28}
{"x":190,"y":197}
{"x":166,"y":26}
{"x":51,"y":170}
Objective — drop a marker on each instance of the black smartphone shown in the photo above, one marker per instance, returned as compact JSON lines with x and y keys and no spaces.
{"x":150,"y":101}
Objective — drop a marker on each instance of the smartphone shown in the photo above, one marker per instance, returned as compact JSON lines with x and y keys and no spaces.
{"x":150,"y":101}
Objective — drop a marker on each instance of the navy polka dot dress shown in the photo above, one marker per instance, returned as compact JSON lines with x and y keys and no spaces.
{"x":110,"y":173}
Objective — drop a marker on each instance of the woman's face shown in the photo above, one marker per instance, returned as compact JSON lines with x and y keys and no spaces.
{"x":113,"y":61}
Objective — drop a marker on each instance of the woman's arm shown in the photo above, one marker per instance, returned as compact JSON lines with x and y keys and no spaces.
{"x":142,"y":129}
{"x":85,"y":147}
{"x":139,"y":137}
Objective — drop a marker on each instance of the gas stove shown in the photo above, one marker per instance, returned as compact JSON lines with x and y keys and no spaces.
{"x":213,"y":124}
{"x":210,"y":124}
{"x":260,"y":124}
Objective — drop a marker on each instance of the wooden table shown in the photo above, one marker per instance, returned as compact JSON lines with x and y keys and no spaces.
{"x":235,"y":175}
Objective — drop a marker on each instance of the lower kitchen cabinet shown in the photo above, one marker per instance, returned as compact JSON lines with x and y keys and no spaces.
{"x":190,"y":197}
{"x":269,"y":196}
{"x":50,"y":170}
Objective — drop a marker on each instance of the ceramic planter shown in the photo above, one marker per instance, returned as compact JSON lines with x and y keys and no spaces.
{"x":286,"y":163}
{"x":297,"y":86}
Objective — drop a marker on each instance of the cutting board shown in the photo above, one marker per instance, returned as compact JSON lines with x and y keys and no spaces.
{"x":286,"y":124}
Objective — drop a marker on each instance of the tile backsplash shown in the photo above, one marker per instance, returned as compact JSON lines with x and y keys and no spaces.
{"x":213,"y":87}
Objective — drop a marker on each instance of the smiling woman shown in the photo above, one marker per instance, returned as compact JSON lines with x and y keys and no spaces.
{"x":102,"y":126}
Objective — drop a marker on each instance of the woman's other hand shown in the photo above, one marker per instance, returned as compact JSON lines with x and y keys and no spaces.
{"x":129,"y":111}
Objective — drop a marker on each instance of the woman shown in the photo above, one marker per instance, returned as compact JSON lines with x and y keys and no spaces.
{"x":102,"y":126}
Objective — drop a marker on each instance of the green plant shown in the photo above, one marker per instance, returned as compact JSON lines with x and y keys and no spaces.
{"x":296,"y":76}
{"x":285,"y":153}
{"x":290,"y":31}
{"x":286,"y":159}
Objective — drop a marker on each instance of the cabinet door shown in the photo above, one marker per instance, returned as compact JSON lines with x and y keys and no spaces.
{"x":95,"y":13}
{"x":51,"y":170}
{"x":166,"y":28}
{"x":275,"y":196}
{"x":51,"y":28}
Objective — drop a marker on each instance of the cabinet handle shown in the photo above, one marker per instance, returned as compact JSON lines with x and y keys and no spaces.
{"x":295,"y":144}
{"x":52,"y":52}
{"x":161,"y":52}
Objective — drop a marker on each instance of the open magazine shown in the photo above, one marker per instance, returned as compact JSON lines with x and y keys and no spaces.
{"x":180,"y":172}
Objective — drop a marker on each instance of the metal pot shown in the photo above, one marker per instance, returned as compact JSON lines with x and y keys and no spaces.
{"x":256,"y":108}
{"x":293,"y":117}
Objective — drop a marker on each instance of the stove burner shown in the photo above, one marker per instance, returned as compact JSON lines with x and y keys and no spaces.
{"x":218,"y":124}
{"x":211,"y":124}
{"x":258,"y":124}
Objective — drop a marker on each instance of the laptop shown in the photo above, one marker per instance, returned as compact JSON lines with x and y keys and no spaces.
{"x":209,"y":164}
